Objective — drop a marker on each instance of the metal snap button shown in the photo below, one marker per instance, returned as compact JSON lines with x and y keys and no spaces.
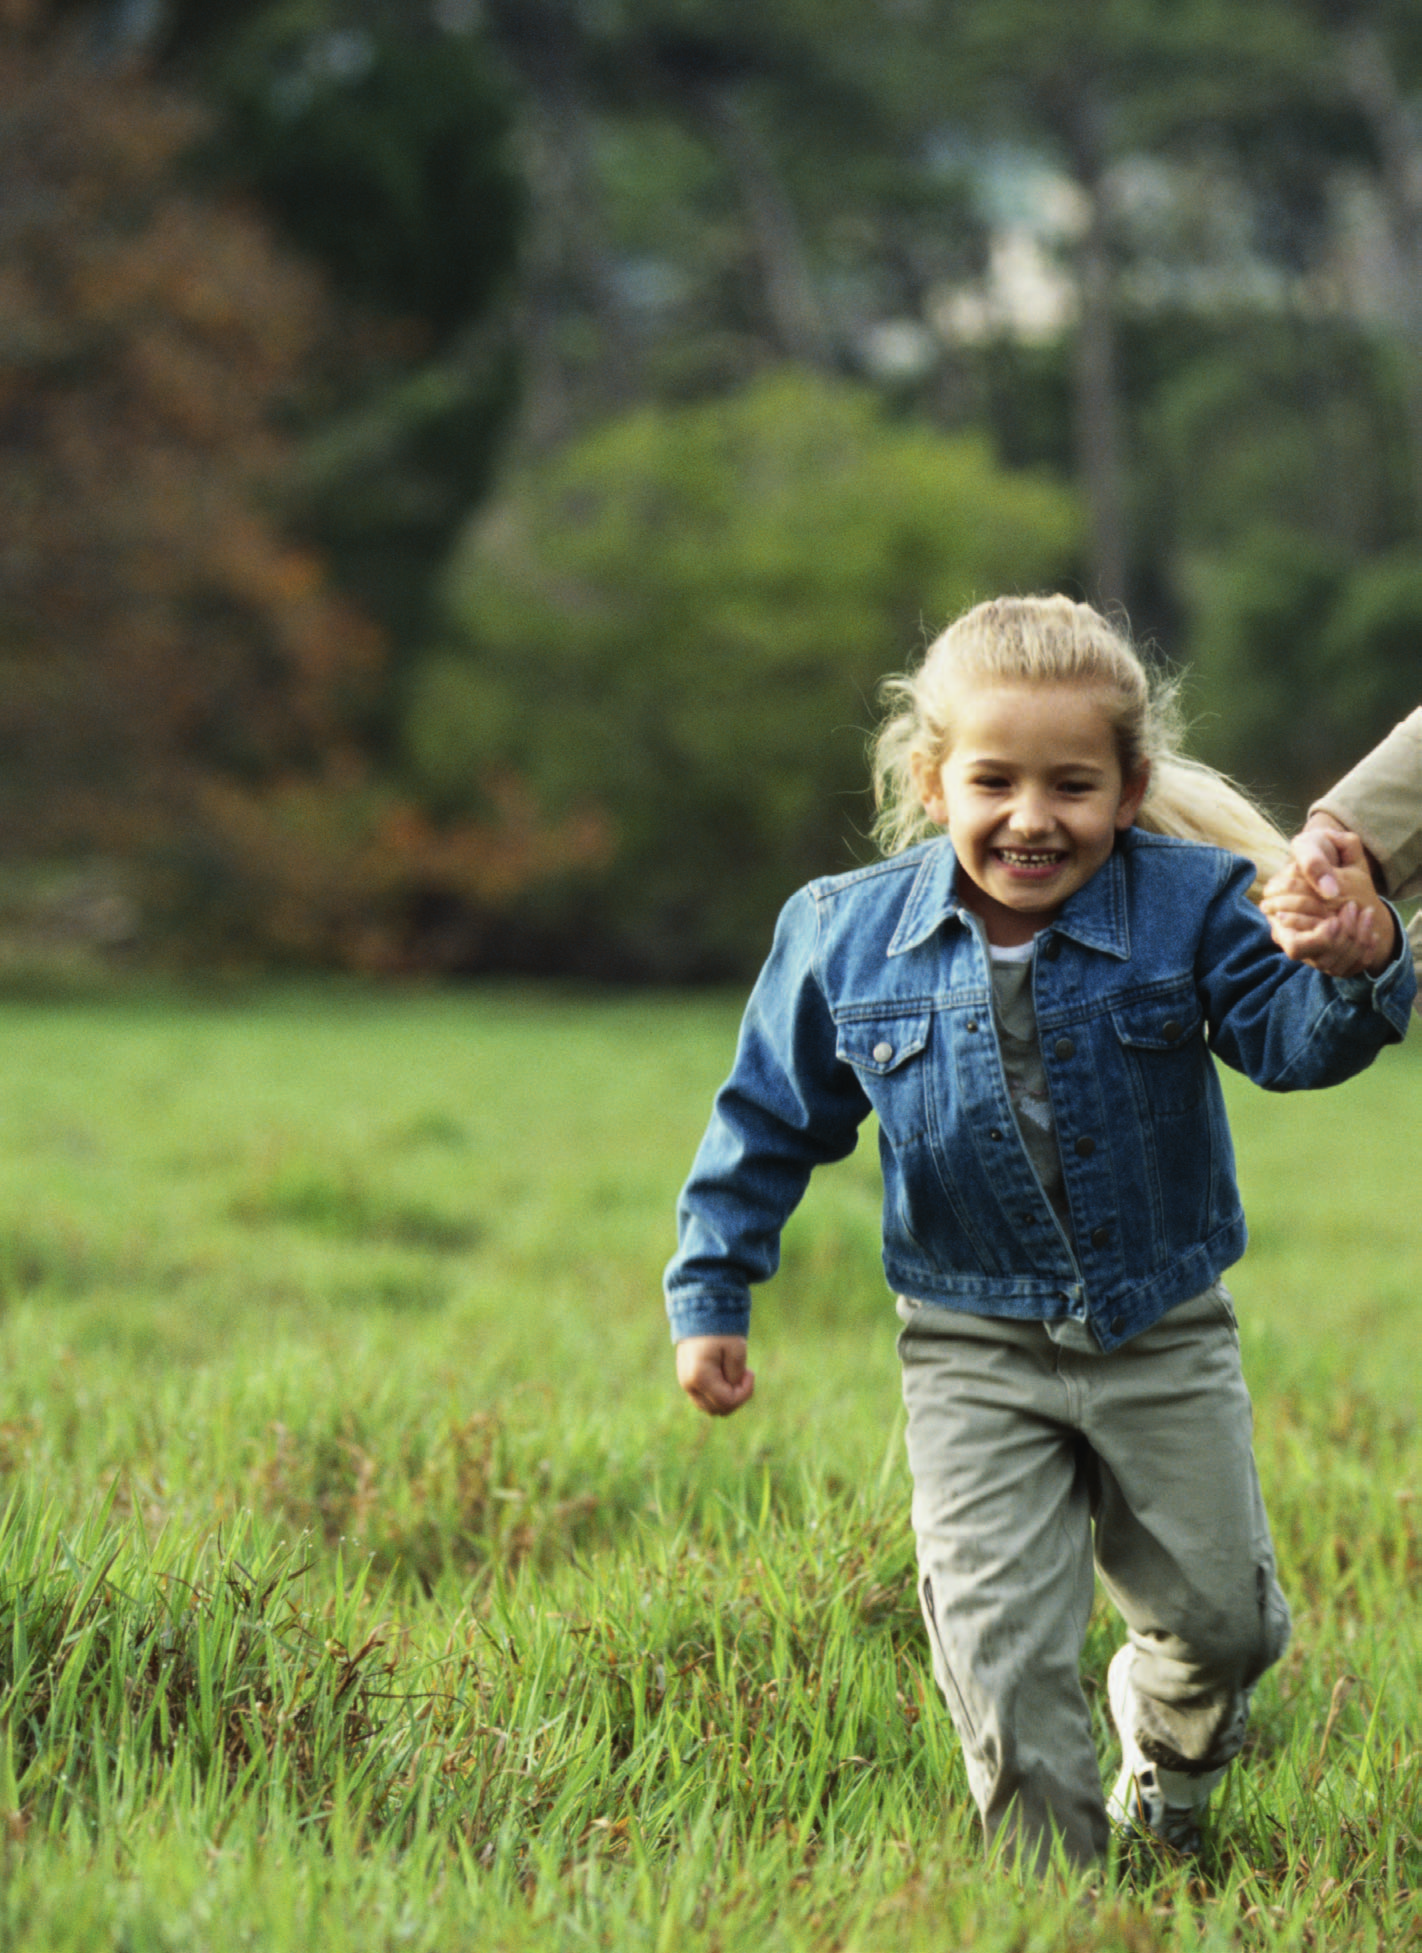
{"x":1064,"y":1047}
{"x":1173,"y":1030}
{"x":1085,"y":1146}
{"x":883,"y":1053}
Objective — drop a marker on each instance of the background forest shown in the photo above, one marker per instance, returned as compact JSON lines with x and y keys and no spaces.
{"x":465,"y":465}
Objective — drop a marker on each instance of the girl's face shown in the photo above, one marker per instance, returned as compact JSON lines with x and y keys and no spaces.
{"x":1032,"y":796}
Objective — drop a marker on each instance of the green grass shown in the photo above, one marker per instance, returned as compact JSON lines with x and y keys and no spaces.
{"x":365,"y":1581}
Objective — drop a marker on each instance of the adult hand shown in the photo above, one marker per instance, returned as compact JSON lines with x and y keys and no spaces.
{"x":712,"y":1371}
{"x":1322,"y":849}
{"x":1342,"y":933}
{"x":1338,"y":938}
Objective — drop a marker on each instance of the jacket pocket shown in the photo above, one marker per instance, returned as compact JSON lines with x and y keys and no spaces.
{"x":882,"y":1049}
{"x":1164,"y":1041}
{"x":879,"y":1045}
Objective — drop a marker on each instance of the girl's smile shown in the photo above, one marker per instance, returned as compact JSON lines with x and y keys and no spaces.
{"x":1042,"y":861}
{"x":1032,"y":796}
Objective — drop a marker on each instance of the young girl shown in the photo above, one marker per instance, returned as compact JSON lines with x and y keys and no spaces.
{"x":1028,"y":1000}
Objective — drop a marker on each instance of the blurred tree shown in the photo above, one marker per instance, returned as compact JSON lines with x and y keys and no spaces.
{"x":1093,"y":85}
{"x":147,"y":341}
{"x":680,"y":622}
{"x":379,"y":143}
{"x":818,"y":138}
{"x":1301,"y":659}
{"x":179,"y":680}
{"x":1281,"y":509}
{"x":374,"y":136}
{"x":1285,"y":419}
{"x":718,"y":186}
{"x":1378,"y":44}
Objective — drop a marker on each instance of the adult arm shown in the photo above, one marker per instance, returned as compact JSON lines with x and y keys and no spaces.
{"x":1380,"y":801}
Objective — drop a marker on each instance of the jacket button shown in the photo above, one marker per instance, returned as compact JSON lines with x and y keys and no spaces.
{"x":1052,"y":948}
{"x":1085,"y":1146}
{"x":971,"y":1025}
{"x":883,"y":1053}
{"x":1100,"y":1236}
{"x":996,"y":1133}
{"x":1064,"y":1047}
{"x":1173,"y":1029}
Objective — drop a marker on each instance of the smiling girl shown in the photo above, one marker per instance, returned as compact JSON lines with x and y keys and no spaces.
{"x":1027,"y":993}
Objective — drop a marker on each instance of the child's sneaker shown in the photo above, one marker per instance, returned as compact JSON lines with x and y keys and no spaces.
{"x":1147,"y":1797}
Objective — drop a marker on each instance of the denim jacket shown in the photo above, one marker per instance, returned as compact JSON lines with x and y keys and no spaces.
{"x":877,"y":997}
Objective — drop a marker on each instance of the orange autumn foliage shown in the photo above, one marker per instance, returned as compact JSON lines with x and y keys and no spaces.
{"x":181,"y":685}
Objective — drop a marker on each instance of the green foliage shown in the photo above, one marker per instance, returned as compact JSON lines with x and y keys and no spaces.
{"x":1372,"y":650}
{"x":1256,"y":614}
{"x":387,"y":475}
{"x":382,"y":148}
{"x":326,"y":1619}
{"x":1275,"y":422}
{"x":1273,"y":481}
{"x":1301,"y":659}
{"x":385,"y":156}
{"x":682,"y":621}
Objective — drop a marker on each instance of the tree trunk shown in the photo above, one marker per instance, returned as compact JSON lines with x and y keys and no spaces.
{"x":1098,"y":407}
{"x":796,"y":316}
{"x":1372,"y":81}
{"x":568,"y":257}
{"x":1097,"y":401}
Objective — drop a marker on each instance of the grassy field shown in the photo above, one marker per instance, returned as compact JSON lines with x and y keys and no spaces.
{"x":365,"y":1582}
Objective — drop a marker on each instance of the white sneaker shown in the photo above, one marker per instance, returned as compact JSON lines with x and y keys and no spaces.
{"x":1146,"y":1797}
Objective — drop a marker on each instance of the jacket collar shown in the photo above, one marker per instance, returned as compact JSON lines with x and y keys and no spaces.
{"x":1095,"y":916}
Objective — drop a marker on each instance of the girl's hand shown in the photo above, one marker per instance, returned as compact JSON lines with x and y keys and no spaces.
{"x":712,"y":1371}
{"x":1337,"y":938}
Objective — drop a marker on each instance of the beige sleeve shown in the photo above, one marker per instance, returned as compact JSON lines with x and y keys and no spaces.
{"x":1381,"y":801}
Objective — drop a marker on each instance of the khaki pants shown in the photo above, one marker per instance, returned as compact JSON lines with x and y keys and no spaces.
{"x":1032,"y":1465}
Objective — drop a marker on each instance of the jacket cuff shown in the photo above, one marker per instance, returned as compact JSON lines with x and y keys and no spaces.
{"x":1392,"y":990}
{"x":708,"y":1313}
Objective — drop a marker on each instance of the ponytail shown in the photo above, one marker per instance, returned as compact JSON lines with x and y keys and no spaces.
{"x":1193,"y":802}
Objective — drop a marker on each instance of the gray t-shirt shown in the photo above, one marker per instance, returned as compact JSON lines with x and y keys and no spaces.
{"x":1021,"y":1048}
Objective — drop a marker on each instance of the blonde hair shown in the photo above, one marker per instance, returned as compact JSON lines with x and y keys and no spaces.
{"x":1051,"y":640}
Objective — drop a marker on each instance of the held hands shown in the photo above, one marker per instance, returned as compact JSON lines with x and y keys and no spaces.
{"x":712,"y":1371}
{"x":1324,"y":909}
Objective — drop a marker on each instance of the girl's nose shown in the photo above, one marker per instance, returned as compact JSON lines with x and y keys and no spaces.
{"x":1030,"y":815}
